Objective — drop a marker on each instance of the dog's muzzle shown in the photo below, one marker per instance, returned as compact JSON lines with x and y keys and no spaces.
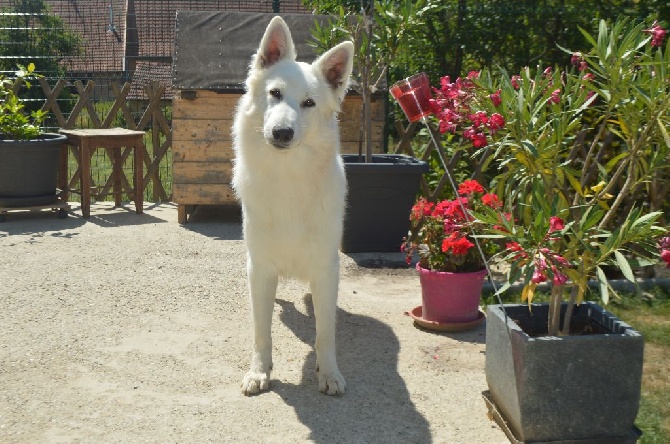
{"x":282,"y":137}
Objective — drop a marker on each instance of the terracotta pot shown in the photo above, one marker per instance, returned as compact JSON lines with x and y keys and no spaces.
{"x":450,"y":297}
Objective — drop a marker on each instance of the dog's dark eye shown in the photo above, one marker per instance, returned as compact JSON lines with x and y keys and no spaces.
{"x":276,"y":94}
{"x":308,"y":103}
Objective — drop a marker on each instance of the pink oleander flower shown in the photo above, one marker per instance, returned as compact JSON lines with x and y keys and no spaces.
{"x":665,"y":256}
{"x":657,"y":34}
{"x":495,"y":98}
{"x":538,"y":276}
{"x":479,"y":140}
{"x":559,"y":278}
{"x":480,"y":118}
{"x":576,"y":59}
{"x":555,"y":96}
{"x":452,"y":105}
{"x":515,"y":82}
{"x":664,"y":246}
{"x":469,"y":132}
{"x":556,"y":224}
{"x":496,"y":122}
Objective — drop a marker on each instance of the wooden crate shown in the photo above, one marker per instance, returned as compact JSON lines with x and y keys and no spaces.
{"x":202,"y":144}
{"x":211,"y":60}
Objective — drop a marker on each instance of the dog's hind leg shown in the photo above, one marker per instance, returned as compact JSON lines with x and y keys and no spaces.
{"x":263,"y":288}
{"x":324,"y":298}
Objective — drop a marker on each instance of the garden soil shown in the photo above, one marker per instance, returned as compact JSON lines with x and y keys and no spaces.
{"x":128,"y":328}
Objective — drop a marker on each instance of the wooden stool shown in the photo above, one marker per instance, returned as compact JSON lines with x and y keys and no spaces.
{"x":87,"y":141}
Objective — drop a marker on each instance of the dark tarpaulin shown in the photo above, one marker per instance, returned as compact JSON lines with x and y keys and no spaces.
{"x":213,"y":49}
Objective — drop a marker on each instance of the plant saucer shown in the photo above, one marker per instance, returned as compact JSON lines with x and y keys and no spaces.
{"x":416,"y":314}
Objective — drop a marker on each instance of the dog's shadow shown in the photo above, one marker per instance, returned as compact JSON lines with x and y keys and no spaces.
{"x":376,"y":407}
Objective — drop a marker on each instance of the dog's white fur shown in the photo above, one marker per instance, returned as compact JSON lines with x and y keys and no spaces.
{"x":289,"y":178}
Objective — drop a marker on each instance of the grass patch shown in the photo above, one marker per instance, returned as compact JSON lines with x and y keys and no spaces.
{"x":650,"y":315}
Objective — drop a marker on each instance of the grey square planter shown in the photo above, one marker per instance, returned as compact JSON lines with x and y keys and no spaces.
{"x":29,"y":170}
{"x":582,"y":388}
{"x":379,"y":200}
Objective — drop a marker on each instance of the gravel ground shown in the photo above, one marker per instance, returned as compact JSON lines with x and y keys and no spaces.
{"x":132,"y":328}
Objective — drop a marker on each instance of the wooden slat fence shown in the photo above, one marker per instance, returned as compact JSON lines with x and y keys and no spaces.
{"x":434,"y":191}
{"x":152,"y":118}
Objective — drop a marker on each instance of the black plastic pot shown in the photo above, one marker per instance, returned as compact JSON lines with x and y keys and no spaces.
{"x":29,"y":170}
{"x":577,"y":388}
{"x":379,"y":199}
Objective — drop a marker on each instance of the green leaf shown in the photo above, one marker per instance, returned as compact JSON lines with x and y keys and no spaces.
{"x":664,"y":131}
{"x":575,"y":183}
{"x":624,"y":266}
{"x":530,"y":147}
{"x":502,"y":289}
{"x":612,"y":163}
{"x":590,"y":218}
{"x":602,"y":281}
{"x":647,"y":219}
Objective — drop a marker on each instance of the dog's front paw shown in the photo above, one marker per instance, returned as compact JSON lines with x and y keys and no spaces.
{"x":331,"y":382}
{"x":255,"y":382}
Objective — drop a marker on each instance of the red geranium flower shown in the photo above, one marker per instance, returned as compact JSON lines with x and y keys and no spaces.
{"x":455,"y":209}
{"x":421,"y":208}
{"x":491,"y":200}
{"x":458,"y":245}
{"x":470,"y":186}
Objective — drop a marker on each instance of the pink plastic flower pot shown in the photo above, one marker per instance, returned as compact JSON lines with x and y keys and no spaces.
{"x":450,"y":297}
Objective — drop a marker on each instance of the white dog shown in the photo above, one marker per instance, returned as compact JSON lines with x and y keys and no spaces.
{"x":289,"y":177}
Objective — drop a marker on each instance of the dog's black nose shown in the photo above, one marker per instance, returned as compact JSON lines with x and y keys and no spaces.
{"x":282,"y":135}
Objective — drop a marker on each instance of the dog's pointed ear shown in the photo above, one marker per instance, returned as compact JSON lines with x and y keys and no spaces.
{"x":335,"y":65}
{"x":276,"y":44}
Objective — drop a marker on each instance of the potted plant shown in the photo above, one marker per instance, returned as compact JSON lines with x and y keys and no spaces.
{"x":451,"y":262}
{"x":28,"y":157}
{"x":381,"y":187}
{"x":574,"y":350}
{"x":571,"y":152}
{"x":575,"y":155}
